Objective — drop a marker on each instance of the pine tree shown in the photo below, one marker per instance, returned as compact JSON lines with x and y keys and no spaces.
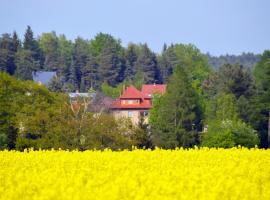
{"x":147,"y":63}
{"x":5,"y":41}
{"x":131,"y":58}
{"x":167,"y":62}
{"x":110,"y":65}
{"x":262,"y":99}
{"x":73,"y":77}
{"x":90,"y":74}
{"x":31,"y":44}
{"x":81,"y":52}
{"x":16,"y":42}
{"x":25,"y":64}
{"x":7,"y":53}
{"x":65,"y":56}
{"x":177,"y":115}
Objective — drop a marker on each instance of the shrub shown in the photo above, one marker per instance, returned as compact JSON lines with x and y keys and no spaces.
{"x":229,"y":133}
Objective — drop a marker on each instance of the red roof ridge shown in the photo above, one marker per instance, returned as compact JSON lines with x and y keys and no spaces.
{"x":132,"y":93}
{"x":149,"y":89}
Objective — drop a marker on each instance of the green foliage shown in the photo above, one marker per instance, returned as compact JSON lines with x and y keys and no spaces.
{"x":221,"y":107}
{"x":138,"y":80}
{"x":230,"y":93}
{"x":167,"y":62}
{"x":48,"y":43}
{"x":90,"y":74}
{"x":225,"y":129}
{"x":175,"y":117}
{"x":233,"y":79}
{"x":194,"y":62}
{"x":110,"y":64}
{"x":218,"y":135}
{"x":131,"y":57}
{"x":8,"y":48}
{"x":100,"y":42}
{"x":31,"y":44}
{"x":147,"y":65}
{"x":261,"y":118}
{"x":114,"y":92}
{"x":55,"y":84}
{"x":228,"y":134}
{"x":32,"y":116}
{"x":248,"y":60}
{"x":25,"y":64}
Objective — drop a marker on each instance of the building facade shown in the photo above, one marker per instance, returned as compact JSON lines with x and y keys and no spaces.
{"x":135,"y":104}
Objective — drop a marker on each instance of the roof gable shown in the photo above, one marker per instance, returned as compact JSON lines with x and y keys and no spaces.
{"x":132,"y":93}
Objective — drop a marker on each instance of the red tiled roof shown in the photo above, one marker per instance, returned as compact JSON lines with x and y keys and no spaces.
{"x":132,"y":93}
{"x":117,"y":105}
{"x":155,"y":88}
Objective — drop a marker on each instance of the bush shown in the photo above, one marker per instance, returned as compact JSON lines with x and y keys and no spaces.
{"x":229,"y":133}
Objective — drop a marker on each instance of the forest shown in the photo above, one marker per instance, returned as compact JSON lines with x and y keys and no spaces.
{"x":228,"y":96}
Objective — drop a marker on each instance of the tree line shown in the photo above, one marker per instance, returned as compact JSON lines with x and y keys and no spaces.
{"x":203,"y":105}
{"x":82,"y":64}
{"x":225,"y":108}
{"x":248,"y":60}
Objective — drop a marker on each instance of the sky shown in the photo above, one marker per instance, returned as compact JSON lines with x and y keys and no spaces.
{"x":215,"y":26}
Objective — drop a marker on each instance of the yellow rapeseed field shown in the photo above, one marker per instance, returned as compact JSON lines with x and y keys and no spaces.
{"x":236,"y":173}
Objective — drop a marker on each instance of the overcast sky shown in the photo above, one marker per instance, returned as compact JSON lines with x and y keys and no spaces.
{"x":214,"y":26}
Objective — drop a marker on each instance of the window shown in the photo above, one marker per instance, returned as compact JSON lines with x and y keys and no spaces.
{"x":130,"y":113}
{"x":129,"y":101}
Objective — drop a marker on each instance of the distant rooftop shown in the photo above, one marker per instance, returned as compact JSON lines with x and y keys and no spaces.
{"x":43,"y":77}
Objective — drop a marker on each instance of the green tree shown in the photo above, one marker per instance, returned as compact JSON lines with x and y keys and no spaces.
{"x":110,"y":65}
{"x":25,"y":64}
{"x":225,"y":129}
{"x":8,"y":49}
{"x":176,"y":124}
{"x":9,"y":91}
{"x":233,"y":79}
{"x":221,"y":107}
{"x":100,"y":42}
{"x":48,"y":43}
{"x":228,"y":133}
{"x":56,"y":84}
{"x":81,"y":52}
{"x":90,"y":73}
{"x":114,"y":92}
{"x":31,"y":44}
{"x":261,"y":119}
{"x":167,"y":62}
{"x":147,"y":65}
{"x":131,"y":58}
{"x":194,"y":62}
{"x":65,"y":57}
